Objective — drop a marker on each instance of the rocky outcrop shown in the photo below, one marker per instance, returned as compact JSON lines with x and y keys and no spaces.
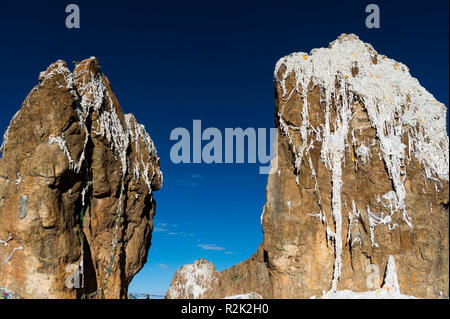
{"x":359,"y":187}
{"x":192,"y":281}
{"x":201,"y":280}
{"x":76,"y":183}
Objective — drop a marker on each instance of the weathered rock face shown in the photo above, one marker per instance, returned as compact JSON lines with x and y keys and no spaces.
{"x":194,"y":281}
{"x":76,"y":182}
{"x":201,"y":280}
{"x":361,"y":175}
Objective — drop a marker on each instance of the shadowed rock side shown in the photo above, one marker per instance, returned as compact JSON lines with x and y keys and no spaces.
{"x":76,"y":182}
{"x":357,"y":199}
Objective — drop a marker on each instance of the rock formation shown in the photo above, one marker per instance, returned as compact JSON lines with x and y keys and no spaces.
{"x":357,"y":199}
{"x":201,"y":280}
{"x":193,"y":281}
{"x":76,"y":183}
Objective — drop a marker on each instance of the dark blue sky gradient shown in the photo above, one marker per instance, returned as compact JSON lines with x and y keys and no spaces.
{"x":171,"y":62}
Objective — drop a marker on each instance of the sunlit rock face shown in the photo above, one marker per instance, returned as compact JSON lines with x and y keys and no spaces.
{"x":76,"y":183}
{"x":360,"y":178}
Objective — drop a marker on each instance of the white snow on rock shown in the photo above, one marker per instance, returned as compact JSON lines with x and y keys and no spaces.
{"x":138,"y":134}
{"x":373,"y":294}
{"x":251,"y":295}
{"x":93,"y":96}
{"x":349,"y":71}
{"x":193,"y":280}
{"x":18,"y":180}
{"x":390,"y":289}
{"x":391,"y":278}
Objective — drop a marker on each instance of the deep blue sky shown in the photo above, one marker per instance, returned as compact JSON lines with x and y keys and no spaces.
{"x":171,"y":62}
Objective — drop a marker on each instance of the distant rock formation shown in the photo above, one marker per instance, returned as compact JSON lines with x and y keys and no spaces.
{"x":357,"y":199}
{"x":194,"y":281}
{"x":201,"y":280}
{"x":76,"y":183}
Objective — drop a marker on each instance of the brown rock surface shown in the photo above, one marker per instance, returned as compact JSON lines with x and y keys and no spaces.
{"x":361,"y":174}
{"x":63,"y":217}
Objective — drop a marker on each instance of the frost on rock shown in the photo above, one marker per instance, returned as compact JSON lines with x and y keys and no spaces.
{"x":18,"y":180}
{"x":391,"y":278}
{"x":71,"y":130}
{"x":408,"y":120}
{"x":6,"y":241}
{"x":84,"y":193}
{"x":251,"y":295}
{"x":140,"y":139}
{"x":61,"y":142}
{"x":193,"y":280}
{"x":90,"y":89}
{"x":372,"y":294}
{"x":390,"y":289}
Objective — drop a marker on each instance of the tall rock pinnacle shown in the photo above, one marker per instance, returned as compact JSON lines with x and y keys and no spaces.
{"x":357,"y":199}
{"x":76,"y":183}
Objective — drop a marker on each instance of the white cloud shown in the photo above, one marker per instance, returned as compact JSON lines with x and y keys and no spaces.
{"x":211,"y":247}
{"x":160,"y":227}
{"x":171,"y":230}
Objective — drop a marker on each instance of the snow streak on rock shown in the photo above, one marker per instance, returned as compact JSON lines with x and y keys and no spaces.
{"x":398,"y":107}
{"x":390,"y":288}
{"x":193,"y":280}
{"x":91,"y":91}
